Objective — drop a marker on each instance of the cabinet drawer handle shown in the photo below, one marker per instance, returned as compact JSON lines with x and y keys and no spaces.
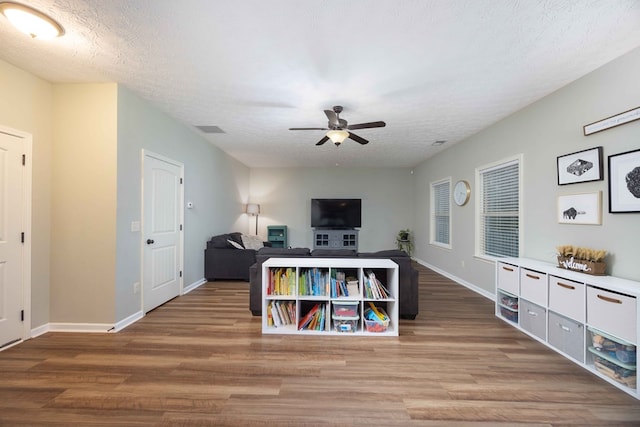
{"x":531,"y":276}
{"x":564,"y":285}
{"x":531,"y":313}
{"x":607,"y":299}
{"x":507,"y":268}
{"x":564,"y":328}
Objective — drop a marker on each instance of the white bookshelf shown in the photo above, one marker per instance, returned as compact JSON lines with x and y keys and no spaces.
{"x":286,"y":283}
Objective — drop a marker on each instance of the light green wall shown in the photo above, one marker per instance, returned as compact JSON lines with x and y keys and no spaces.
{"x":285,"y":194}
{"x":83,"y":232}
{"x":215,"y":183}
{"x":25,"y":105}
{"x":546,"y":129}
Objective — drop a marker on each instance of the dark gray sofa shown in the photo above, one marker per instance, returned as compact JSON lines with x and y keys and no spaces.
{"x":223,"y":261}
{"x":408,"y":276}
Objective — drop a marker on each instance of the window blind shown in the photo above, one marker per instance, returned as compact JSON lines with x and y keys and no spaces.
{"x":440,"y":218}
{"x":499,"y":220}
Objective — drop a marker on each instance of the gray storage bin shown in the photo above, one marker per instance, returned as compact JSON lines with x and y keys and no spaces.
{"x":567,"y":336}
{"x":533,"y":319}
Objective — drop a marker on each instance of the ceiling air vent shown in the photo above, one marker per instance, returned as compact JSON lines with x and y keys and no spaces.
{"x":210,"y":129}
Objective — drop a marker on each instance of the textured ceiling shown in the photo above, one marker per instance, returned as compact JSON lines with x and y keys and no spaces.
{"x":432,"y":69}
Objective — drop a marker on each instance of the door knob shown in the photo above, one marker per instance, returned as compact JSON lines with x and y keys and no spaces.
{"x":150,"y":242}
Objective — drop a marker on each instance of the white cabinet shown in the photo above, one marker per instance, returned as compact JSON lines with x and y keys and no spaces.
{"x":330,"y":296}
{"x":592,"y":320}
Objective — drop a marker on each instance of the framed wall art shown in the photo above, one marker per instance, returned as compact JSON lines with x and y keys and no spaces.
{"x":585,"y":208}
{"x":624,"y":182}
{"x":581,"y":166}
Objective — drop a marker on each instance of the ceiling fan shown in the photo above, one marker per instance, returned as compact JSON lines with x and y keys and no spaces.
{"x":339,"y":128}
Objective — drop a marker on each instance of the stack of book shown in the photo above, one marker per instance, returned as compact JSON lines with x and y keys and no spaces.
{"x":314,"y":281}
{"x":342,"y":286}
{"x":281,"y":313}
{"x":314,"y":320}
{"x":282,"y":281}
{"x":373,"y":288}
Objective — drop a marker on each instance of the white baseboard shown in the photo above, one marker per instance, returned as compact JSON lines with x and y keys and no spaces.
{"x":193,"y":286}
{"x":81,"y":327}
{"x":458,"y":280}
{"x":101,"y":327}
{"x":40,"y":330}
{"x":128,"y":321}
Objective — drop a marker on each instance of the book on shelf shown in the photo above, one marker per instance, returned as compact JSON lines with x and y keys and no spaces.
{"x":282,"y":281}
{"x":374,"y":289}
{"x":352,"y":288}
{"x":314,"y":319}
{"x":281,"y":313}
{"x":314,"y":281}
{"x":343,"y":286}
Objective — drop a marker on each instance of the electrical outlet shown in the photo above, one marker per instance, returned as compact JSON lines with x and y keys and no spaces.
{"x":462,"y":263}
{"x":136,"y":288}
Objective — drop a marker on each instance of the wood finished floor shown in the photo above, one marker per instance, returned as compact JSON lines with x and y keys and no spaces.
{"x":201,"y":360}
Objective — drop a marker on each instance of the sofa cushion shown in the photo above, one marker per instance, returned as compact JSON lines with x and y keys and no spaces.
{"x":221,"y":240}
{"x":389,"y":253}
{"x":251,"y":242}
{"x":336,"y":253}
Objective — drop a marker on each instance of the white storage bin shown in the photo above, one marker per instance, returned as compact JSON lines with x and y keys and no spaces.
{"x":567,"y":297}
{"x":613,"y":313}
{"x":508,"y":278}
{"x":533,"y":286}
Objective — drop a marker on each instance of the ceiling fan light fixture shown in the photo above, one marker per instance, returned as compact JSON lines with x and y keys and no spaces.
{"x":31,"y":21}
{"x":338,"y":136}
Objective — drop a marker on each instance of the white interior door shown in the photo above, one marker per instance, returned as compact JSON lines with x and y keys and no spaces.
{"x":162,"y":219}
{"x":11,"y":238}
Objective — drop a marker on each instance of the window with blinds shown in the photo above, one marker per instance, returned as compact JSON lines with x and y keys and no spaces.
{"x":498,"y":219}
{"x":440,"y":217}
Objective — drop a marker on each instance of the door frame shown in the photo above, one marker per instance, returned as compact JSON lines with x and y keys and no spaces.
{"x":27,"y":196}
{"x":147,"y":153}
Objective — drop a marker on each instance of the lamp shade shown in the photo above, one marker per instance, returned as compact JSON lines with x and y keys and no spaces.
{"x":31,"y":21}
{"x":337,"y":136}
{"x":253,"y":209}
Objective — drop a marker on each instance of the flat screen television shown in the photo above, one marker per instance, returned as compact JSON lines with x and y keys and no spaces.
{"x":336,"y":213}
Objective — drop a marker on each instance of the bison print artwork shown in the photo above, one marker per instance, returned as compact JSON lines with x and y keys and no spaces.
{"x":580,"y":208}
{"x":624,"y":182}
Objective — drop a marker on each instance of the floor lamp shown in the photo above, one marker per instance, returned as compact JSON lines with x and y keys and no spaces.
{"x":253,"y":209}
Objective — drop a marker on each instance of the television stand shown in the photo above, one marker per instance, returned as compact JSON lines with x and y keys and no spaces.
{"x":344,"y":238}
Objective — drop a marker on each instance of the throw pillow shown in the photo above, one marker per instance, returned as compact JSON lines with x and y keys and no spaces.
{"x":252,"y":242}
{"x":235,"y":244}
{"x":219,"y":241}
{"x":236,"y":237}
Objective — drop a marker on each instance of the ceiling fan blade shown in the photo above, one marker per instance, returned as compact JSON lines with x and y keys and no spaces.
{"x":333,"y":117}
{"x":357,"y":138}
{"x":308,"y":128}
{"x":367,"y":125}
{"x":323,"y":140}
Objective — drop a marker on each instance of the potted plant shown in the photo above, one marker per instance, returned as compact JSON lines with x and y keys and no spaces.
{"x":403,"y":240}
{"x":403,"y":235}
